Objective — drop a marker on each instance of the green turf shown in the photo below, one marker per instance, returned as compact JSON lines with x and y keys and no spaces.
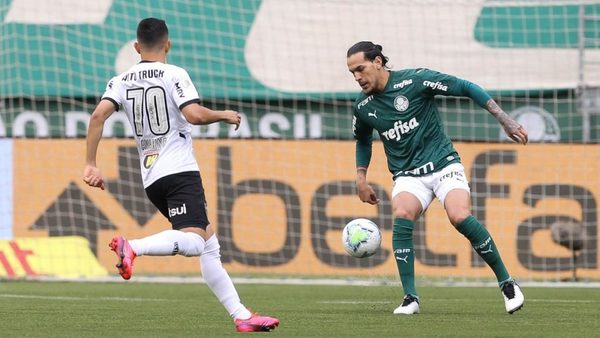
{"x":59,"y":309}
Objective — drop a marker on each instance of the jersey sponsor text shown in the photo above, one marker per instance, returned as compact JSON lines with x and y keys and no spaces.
{"x":403,"y":84}
{"x":155,"y":143}
{"x":400,"y":128}
{"x":436,"y":85}
{"x":365,"y":101}
{"x":422,"y":170}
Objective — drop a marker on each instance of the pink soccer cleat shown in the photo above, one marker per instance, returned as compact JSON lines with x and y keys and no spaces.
{"x":256,"y":323}
{"x":121,"y":247}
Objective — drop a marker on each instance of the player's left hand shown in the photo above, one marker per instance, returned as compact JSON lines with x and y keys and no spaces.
{"x":233,"y":117}
{"x":93,"y":177}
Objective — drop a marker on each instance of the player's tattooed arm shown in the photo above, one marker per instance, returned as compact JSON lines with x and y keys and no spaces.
{"x":512,"y":128}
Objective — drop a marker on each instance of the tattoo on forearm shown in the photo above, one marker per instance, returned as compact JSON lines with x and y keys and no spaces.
{"x":497,"y":112}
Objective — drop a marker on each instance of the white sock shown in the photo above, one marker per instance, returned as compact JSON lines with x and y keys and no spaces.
{"x":169,"y":243}
{"x":219,"y":282}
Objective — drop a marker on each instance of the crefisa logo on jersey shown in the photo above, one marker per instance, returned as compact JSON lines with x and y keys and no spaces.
{"x":403,"y":84}
{"x":401,"y":103}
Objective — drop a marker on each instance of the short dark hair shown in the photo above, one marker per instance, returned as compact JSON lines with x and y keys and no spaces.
{"x":370,"y":49}
{"x":152,"y":31}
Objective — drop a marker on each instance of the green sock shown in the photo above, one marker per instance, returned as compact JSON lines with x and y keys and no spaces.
{"x":484,"y":245}
{"x":402,"y":243}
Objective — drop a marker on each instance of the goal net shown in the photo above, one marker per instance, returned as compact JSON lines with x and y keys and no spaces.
{"x":281,"y":188}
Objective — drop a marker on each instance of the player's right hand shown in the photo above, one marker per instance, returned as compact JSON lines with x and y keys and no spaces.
{"x":367,"y":194}
{"x":516,"y":132}
{"x":93,"y":177}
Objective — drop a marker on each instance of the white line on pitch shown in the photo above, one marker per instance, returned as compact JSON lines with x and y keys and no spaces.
{"x":527,"y":300}
{"x":560,"y":300}
{"x":352,"y":302}
{"x":5,"y":295}
{"x":447,"y":299}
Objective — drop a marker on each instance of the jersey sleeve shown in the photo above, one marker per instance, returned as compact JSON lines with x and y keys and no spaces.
{"x":436,"y":83}
{"x":363,"y":133}
{"x":111,"y":93}
{"x":184,"y":92}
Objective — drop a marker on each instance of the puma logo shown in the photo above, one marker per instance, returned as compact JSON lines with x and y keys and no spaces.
{"x":489,"y":249}
{"x":405,"y":259}
{"x":374,"y":114}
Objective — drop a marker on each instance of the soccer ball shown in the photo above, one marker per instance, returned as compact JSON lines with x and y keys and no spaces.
{"x":361,"y":238}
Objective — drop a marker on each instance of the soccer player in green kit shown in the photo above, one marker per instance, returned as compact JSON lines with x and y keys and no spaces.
{"x":400,"y":106}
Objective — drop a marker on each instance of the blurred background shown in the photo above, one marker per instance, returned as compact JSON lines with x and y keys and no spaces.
{"x":281,"y":188}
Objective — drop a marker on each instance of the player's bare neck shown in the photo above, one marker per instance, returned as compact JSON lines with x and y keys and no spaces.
{"x":385,"y":77}
{"x":154,"y":56}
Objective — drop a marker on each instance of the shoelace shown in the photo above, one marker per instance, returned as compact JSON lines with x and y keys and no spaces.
{"x":408,"y":300}
{"x":509,"y":290}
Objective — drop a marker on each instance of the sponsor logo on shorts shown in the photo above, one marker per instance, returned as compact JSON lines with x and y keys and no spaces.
{"x":457,"y":175}
{"x":177,"y":211}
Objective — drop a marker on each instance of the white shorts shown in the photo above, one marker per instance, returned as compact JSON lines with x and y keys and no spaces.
{"x":436,"y":184}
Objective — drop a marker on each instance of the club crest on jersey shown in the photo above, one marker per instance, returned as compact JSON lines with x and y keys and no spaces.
{"x":401,"y":103}
{"x":149,"y":160}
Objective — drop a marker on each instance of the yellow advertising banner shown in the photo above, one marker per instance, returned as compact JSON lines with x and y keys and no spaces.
{"x":67,"y":256}
{"x":279,"y":206}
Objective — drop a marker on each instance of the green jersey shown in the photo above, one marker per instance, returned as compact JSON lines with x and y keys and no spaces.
{"x":408,"y":122}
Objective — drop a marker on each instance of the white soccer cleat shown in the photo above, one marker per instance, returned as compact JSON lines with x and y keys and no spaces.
{"x":513,"y":297}
{"x":410,"y":305}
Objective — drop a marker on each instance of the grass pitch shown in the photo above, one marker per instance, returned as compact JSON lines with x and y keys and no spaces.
{"x":126,"y":309}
